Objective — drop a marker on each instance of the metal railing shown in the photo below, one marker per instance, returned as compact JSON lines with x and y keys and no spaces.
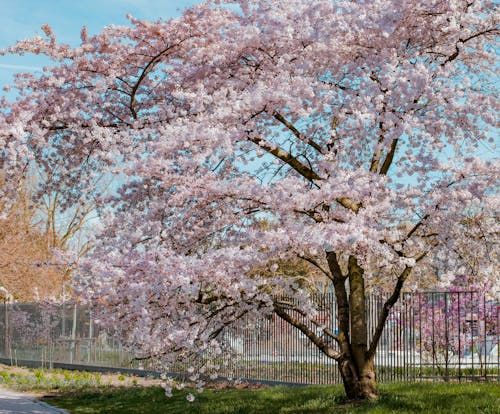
{"x":431,"y":335}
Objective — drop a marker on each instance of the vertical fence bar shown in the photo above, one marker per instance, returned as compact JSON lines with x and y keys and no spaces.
{"x":63,"y":322}
{"x":315,"y":365}
{"x":446,"y":337}
{"x":459,"y":339}
{"x":300,"y":359}
{"x":309,"y":362}
{"x":395,"y":347}
{"x":399,"y":346}
{"x":336,"y":329}
{"x":404,"y":316}
{"x":391,"y":352}
{"x":91,"y":336}
{"x":472,"y":332}
{"x":485,"y":344}
{"x":413,"y":337}
{"x":387,"y":353}
{"x":433,"y":345}
{"x":322,"y":361}
{"x":73,"y":336}
{"x":248,"y":349}
{"x":497,"y":331}
{"x":269,"y":339}
{"x":406,"y":340}
{"x":420,"y":333}
{"x":6,"y":329}
{"x":283,"y":332}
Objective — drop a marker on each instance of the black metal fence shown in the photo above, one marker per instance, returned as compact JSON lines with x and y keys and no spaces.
{"x":431,"y":335}
{"x":451,"y":334}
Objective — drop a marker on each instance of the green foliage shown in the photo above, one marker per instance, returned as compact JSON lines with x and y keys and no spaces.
{"x":422,"y":398}
{"x":39,"y":379}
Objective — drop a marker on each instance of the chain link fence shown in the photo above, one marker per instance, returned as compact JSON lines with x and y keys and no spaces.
{"x":431,"y":335}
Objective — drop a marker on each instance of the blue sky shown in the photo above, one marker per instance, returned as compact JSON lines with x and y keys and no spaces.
{"x":22,"y":19}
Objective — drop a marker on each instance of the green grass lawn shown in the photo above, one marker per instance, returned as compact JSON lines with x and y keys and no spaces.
{"x":395,"y":398}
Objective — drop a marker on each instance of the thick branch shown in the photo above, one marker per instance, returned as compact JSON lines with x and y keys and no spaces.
{"x":214,"y":334}
{"x":147,"y":69}
{"x":389,"y":158}
{"x":376,"y":157}
{"x":286,"y":305}
{"x":389,"y":303}
{"x":415,"y":228}
{"x":374,"y":165}
{"x":296,"y":132}
{"x":306,"y":172}
{"x":316,"y":264}
{"x":312,"y":214}
{"x":456,"y":53}
{"x":334,"y":266}
{"x":342,"y":301}
{"x":286,"y":157}
{"x":384,"y":314}
{"x":315,"y":339}
{"x":348,"y":203}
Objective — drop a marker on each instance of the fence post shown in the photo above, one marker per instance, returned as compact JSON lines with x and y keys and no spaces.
{"x":63,"y":321}
{"x":73,"y":337}
{"x":446,"y":338}
{"x":6,"y":327}
{"x":91,"y":334}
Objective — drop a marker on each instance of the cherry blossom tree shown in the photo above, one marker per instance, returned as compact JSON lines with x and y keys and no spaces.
{"x":352,"y":127}
{"x":456,"y":325}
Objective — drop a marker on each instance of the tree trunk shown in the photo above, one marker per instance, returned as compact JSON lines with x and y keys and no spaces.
{"x":359,"y":382}
{"x":357,"y":368}
{"x":356,"y":359}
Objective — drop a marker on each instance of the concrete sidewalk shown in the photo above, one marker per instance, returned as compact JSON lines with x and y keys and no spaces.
{"x":12,"y":402}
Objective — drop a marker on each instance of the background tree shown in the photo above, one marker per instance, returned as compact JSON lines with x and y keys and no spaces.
{"x":352,"y":125}
{"x":24,"y":253}
{"x":33,"y":236}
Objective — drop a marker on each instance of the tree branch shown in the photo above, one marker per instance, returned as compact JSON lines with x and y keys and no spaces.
{"x":292,"y":306}
{"x":389,"y":158}
{"x":295,"y":132}
{"x":456,"y":53}
{"x":389,"y":303}
{"x":306,"y":172}
{"x":378,"y":155}
{"x":147,"y":69}
{"x":286,"y":157}
{"x":315,"y":339}
{"x":316,"y":264}
{"x":342,"y":302}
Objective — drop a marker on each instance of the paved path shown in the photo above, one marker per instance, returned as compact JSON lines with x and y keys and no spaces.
{"x":12,"y":402}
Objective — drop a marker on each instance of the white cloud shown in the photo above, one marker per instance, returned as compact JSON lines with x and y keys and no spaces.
{"x":20,"y":67}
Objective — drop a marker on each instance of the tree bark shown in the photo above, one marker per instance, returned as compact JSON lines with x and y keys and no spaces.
{"x":357,"y":310}
{"x":355,"y":364}
{"x":359,"y":380}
